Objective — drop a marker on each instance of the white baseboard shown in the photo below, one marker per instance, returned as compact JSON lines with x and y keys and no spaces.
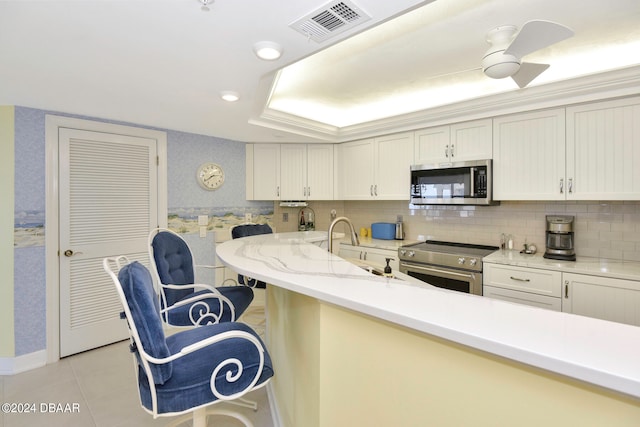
{"x":26,"y":362}
{"x":273,"y":405}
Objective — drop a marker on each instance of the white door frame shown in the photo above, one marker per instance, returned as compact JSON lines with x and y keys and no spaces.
{"x":53,"y":123}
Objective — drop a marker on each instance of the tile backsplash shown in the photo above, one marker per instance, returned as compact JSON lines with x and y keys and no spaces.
{"x":608,"y":229}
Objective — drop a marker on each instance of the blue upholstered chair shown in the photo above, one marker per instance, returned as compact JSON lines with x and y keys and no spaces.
{"x":184,"y":303}
{"x":190,"y":369}
{"x":244,"y":230}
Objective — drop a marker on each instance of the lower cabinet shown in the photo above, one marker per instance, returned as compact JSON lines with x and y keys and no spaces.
{"x":522,"y":285}
{"x":600,"y":297}
{"x":374,"y":255}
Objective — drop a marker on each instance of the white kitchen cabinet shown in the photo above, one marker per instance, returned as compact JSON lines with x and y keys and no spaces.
{"x":523,"y":285}
{"x":320,"y":171}
{"x":603,"y":150}
{"x":375,"y":256}
{"x":263,"y":171}
{"x":602,"y":297}
{"x":376,"y":169}
{"x":454,"y":143}
{"x":306,"y":172}
{"x":529,"y":156}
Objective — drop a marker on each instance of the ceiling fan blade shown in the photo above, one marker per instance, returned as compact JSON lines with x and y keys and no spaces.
{"x":527,"y":72}
{"x":536,"y":35}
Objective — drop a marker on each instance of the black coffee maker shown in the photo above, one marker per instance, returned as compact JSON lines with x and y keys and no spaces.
{"x":559,"y":238}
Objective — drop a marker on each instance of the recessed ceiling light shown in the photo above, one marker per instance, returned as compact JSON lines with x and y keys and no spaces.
{"x":269,"y":51}
{"x":229,"y":95}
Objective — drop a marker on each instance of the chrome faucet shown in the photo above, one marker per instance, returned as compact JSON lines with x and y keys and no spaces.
{"x":354,"y":237}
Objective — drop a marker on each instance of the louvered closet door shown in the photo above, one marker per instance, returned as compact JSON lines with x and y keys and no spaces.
{"x":108,"y":205}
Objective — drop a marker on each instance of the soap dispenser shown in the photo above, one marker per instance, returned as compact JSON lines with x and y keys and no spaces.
{"x":387,"y":268}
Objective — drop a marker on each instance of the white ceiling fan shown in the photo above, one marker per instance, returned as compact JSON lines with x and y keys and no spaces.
{"x":504,"y":57}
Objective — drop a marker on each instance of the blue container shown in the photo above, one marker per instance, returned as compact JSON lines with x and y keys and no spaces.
{"x":383,"y":230}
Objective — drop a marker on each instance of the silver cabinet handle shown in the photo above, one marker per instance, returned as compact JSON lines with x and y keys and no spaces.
{"x":451,"y":151}
{"x":446,"y":151}
{"x":561,"y":185}
{"x":566,"y":289}
{"x":308,"y":191}
{"x":371,"y":190}
{"x":519,"y":279}
{"x":570,"y":185}
{"x":375,"y":190}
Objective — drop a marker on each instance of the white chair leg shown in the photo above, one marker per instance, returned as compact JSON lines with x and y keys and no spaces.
{"x":200,"y":417}
{"x":245,"y":403}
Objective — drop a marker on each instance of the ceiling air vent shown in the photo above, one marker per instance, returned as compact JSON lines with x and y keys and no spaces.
{"x":332,"y":19}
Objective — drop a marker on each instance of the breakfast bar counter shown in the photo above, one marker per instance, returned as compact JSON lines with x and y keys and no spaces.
{"x":345,"y":340}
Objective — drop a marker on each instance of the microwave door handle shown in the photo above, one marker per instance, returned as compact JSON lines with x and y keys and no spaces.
{"x":472,"y":193}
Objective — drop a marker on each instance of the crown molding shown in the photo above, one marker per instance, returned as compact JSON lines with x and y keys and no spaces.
{"x":612,"y":84}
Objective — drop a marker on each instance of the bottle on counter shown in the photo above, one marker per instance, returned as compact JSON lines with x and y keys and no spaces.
{"x":302,"y":226}
{"x":387,"y":268}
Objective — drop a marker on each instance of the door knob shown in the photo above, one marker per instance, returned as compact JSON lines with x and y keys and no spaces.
{"x":68,"y":253}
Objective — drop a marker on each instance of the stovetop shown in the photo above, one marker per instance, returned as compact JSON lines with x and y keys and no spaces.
{"x":446,"y":254}
{"x":453,"y":248}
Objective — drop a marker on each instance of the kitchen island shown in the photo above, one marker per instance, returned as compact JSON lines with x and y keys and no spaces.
{"x":351,"y":348}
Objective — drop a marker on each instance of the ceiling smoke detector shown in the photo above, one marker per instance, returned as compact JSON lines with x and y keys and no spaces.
{"x":330,"y":20}
{"x":205,"y":5}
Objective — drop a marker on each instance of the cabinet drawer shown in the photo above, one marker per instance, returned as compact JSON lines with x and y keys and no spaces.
{"x":532,"y":280}
{"x":534,"y":300}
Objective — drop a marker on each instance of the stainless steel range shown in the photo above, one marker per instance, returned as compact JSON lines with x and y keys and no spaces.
{"x":448,"y":265}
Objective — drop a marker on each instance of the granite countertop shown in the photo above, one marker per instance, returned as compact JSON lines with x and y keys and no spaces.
{"x":629,"y":270}
{"x":598,"y":352}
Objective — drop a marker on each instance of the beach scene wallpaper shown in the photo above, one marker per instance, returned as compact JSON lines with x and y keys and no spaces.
{"x":29,"y":230}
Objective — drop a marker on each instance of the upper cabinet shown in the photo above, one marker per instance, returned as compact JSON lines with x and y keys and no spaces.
{"x":263,"y":171}
{"x":290,"y":171}
{"x":529,"y":156}
{"x":593,"y":155}
{"x":454,"y":143}
{"x":603,"y":150}
{"x":376,"y":169}
{"x":306,"y":172}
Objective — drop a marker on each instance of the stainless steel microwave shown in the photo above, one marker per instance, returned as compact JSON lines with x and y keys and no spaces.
{"x":458,"y":183}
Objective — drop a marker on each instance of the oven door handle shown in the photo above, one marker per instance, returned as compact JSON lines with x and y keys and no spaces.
{"x":444,"y":273}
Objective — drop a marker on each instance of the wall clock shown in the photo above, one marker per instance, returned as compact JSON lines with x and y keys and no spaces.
{"x":210,"y":176}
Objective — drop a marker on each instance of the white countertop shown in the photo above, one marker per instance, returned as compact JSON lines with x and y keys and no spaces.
{"x":599,"y":352}
{"x":368,"y":242}
{"x":629,"y":270}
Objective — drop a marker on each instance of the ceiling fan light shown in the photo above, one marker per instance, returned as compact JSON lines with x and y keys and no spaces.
{"x":229,"y":95}
{"x":500,"y":71}
{"x":269,"y":51}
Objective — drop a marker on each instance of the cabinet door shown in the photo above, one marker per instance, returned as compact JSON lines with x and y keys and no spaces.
{"x":320,"y":171}
{"x":529,"y":156}
{"x":355,"y":170}
{"x":394,"y":157}
{"x":601,"y":297}
{"x":525,"y":298}
{"x":472,"y":140}
{"x":530,"y":280}
{"x":603,"y":150}
{"x":432,"y":145}
{"x":293,"y":172}
{"x":263,"y":172}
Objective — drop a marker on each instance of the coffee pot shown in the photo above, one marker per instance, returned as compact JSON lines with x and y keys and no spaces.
{"x":559,"y":238}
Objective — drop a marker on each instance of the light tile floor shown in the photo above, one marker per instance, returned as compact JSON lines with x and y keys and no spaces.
{"x":101,"y":383}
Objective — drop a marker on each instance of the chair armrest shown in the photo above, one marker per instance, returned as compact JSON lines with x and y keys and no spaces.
{"x":194,"y":286}
{"x":199,"y":312}
{"x":228,"y":364}
{"x":208,"y":266}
